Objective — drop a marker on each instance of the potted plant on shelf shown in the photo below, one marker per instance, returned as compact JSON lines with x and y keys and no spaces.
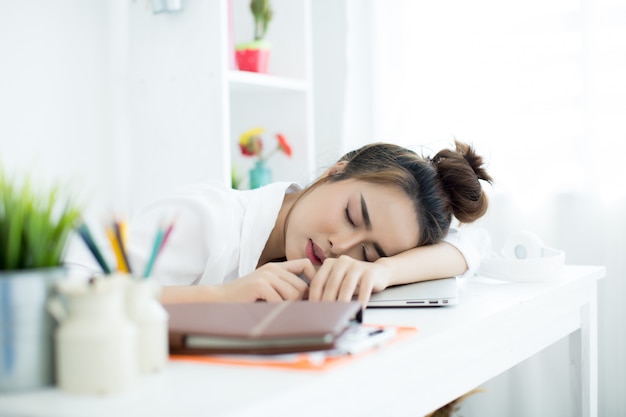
{"x":251,"y":144}
{"x":33,"y":231}
{"x":254,"y":56}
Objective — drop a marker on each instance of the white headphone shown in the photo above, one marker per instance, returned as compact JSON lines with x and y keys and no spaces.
{"x":525,"y":259}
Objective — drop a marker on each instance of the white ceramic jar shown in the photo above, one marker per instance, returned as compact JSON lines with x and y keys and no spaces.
{"x":95,"y":342}
{"x":150,"y":317}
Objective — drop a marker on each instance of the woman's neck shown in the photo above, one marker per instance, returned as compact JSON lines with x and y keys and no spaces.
{"x":275,"y":246}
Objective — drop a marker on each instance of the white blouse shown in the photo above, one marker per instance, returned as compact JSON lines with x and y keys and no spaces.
{"x":219,"y":233}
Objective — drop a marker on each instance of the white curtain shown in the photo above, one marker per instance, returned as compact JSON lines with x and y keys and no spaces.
{"x":539,"y":87}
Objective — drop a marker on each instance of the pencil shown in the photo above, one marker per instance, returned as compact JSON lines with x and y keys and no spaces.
{"x":168,"y":232}
{"x":120,"y":234}
{"x":121,"y":266}
{"x":85,"y":234}
{"x":158,"y":239}
{"x":159,"y":243}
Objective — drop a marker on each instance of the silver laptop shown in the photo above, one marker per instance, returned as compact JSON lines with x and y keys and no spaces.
{"x":437,"y":292}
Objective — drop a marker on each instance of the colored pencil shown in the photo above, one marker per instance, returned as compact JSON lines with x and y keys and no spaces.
{"x":168,"y":232}
{"x":155,"y":250}
{"x":160,"y":240}
{"x":121,"y":266}
{"x":120,"y":234}
{"x":84,"y":232}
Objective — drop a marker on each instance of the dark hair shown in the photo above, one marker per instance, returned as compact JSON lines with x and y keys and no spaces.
{"x":440,"y":187}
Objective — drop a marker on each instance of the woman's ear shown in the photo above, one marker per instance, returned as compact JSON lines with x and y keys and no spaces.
{"x":337,"y":168}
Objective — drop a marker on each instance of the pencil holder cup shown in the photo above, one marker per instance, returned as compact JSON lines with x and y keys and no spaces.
{"x":95,"y":341}
{"x":150,"y":317}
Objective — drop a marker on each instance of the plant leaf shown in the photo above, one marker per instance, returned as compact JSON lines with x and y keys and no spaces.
{"x":34,"y":227}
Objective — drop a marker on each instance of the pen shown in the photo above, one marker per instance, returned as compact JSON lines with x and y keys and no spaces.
{"x":365,"y":339}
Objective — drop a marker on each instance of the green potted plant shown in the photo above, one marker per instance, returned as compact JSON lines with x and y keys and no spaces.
{"x":34,"y":228}
{"x":254,"y":56}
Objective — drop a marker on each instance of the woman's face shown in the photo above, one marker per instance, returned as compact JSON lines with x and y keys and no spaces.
{"x":362,"y":220}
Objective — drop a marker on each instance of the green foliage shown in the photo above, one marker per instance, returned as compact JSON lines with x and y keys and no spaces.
{"x":262,"y":12}
{"x":235,"y":178}
{"x":34,"y":227}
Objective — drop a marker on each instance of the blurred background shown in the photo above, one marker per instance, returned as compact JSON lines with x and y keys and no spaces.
{"x":121,"y":104}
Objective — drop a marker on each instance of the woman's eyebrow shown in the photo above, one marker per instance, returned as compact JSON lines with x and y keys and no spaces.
{"x":368,"y":226}
{"x":366,"y":214}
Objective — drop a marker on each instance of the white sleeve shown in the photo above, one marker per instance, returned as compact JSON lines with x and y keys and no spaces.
{"x":182,"y":260}
{"x":472,"y":242}
{"x":202,"y":232}
{"x":201,"y":215}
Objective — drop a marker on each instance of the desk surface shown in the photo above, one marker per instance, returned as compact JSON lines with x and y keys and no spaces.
{"x":457,"y":348}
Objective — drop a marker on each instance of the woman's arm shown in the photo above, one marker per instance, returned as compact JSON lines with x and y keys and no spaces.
{"x":341,"y":278}
{"x":173,"y":294}
{"x":439,"y":260}
{"x":460,"y":253}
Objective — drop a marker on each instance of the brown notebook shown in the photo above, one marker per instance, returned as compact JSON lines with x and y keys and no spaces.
{"x":290,"y":326}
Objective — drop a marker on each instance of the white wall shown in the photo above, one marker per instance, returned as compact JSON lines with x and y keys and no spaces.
{"x":176,"y":63}
{"x":329,"y":72}
{"x":539,"y":88}
{"x":79,"y":102}
{"x":343,"y":41}
{"x":54,"y":98}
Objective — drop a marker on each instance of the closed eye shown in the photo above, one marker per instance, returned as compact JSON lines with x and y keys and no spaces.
{"x":349,"y":218}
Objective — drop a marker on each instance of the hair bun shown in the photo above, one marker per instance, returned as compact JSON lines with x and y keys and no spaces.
{"x":460,"y":170}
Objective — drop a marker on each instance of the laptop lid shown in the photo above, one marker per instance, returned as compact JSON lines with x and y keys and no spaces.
{"x":437,"y":292}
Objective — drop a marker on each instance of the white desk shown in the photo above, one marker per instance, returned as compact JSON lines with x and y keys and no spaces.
{"x":496,"y":326}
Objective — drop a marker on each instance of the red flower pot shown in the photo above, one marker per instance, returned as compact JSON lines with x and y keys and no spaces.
{"x":253,"y":60}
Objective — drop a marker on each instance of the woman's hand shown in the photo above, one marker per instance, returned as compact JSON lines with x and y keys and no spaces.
{"x":343,"y":277}
{"x":273,"y":282}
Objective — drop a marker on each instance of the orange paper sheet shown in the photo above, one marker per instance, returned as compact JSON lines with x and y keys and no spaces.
{"x":306,"y":361}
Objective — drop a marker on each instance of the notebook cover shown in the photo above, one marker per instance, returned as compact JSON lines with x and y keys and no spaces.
{"x":290,"y":326}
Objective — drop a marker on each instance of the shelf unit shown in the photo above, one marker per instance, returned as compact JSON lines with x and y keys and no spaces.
{"x":188,"y":105}
{"x":280,"y":101}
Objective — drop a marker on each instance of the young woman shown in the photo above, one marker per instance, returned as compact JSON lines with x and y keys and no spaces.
{"x":380,"y":216}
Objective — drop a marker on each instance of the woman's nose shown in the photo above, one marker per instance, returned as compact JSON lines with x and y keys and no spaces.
{"x":342,"y":244}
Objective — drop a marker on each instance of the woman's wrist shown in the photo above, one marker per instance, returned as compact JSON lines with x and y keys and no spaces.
{"x":384,"y":279}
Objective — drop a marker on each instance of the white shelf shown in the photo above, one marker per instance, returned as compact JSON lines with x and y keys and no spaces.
{"x":250,"y":82}
{"x":279,"y":101}
{"x":188,"y":105}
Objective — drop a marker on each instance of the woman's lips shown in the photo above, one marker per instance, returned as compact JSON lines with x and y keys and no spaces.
{"x":314,"y":253}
